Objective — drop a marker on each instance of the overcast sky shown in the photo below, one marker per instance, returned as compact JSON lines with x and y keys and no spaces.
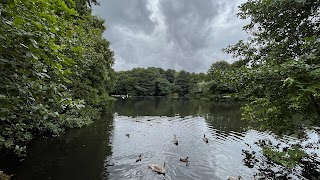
{"x":171,"y":34}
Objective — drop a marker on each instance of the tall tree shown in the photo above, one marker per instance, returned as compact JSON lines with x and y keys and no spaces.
{"x":169,"y":73}
{"x":182,"y":83}
{"x":279,"y":70}
{"x":282,"y":58}
{"x":217,"y":68}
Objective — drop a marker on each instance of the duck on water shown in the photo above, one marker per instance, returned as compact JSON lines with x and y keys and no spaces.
{"x":205,"y":139}
{"x":175,"y":140}
{"x":158,"y":168}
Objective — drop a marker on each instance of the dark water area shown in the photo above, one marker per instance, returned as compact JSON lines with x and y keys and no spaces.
{"x":108,"y":148}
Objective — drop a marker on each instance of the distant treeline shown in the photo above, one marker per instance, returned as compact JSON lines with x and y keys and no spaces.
{"x":159,"y":82}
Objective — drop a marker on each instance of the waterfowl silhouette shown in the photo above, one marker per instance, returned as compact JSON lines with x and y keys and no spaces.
{"x":139,"y":158}
{"x":205,"y":139}
{"x":184,"y":159}
{"x":234,"y":178}
{"x":175,"y":140}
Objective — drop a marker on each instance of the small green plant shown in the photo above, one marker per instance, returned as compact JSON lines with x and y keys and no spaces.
{"x":289,"y":157}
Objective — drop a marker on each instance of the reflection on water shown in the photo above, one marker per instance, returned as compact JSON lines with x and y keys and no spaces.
{"x":77,"y":154}
{"x":108,"y":148}
{"x":152,"y":137}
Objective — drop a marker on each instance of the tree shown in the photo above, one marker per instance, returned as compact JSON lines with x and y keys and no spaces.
{"x":163,"y":87}
{"x":156,"y":82}
{"x":122,"y":84}
{"x":54,"y":67}
{"x":279,"y":70}
{"x":282,"y":59}
{"x":145,"y":81}
{"x":182,"y":83}
{"x":218,"y":68}
{"x":169,"y":73}
{"x":277,"y":29}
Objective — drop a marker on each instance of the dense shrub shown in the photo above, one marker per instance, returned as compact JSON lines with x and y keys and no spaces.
{"x":54,"y":67}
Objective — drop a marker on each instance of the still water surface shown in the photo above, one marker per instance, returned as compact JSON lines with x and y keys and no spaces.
{"x":108,"y":148}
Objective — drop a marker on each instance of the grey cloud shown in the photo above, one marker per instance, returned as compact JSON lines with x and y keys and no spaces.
{"x":133,"y":14}
{"x":180,"y":34}
{"x":188,"y":21}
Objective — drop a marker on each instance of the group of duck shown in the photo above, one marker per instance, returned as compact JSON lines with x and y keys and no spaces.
{"x":158,"y":168}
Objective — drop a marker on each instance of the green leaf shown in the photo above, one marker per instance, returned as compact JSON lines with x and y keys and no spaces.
{"x":76,"y":49}
{"x":39,"y":25}
{"x":54,"y":47}
{"x":17,"y":21}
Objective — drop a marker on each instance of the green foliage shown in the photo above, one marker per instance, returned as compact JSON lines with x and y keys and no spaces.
{"x":77,"y":119}
{"x":182,"y":83}
{"x":282,"y":63}
{"x":289,"y":158}
{"x":155,"y":82}
{"x":280,"y":91}
{"x":218,"y":68}
{"x":277,"y":30}
{"x":163,"y":87}
{"x":169,"y":75}
{"x":214,"y":85}
{"x":278,"y":70}
{"x":145,"y":81}
{"x":54,"y":62}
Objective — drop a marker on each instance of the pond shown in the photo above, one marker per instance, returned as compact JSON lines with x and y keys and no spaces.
{"x":108,"y":148}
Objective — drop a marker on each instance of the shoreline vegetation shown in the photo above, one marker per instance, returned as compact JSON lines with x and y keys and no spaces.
{"x":177,"y":84}
{"x":216,"y":98}
{"x":55,"y":69}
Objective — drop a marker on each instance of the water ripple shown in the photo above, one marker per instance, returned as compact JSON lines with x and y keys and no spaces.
{"x":152,"y":137}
